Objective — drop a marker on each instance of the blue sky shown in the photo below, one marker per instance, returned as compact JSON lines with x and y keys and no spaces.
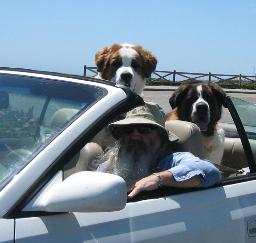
{"x":217,"y":36}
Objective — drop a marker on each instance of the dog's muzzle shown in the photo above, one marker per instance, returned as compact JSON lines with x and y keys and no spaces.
{"x":201,"y":116}
{"x":202,"y":109}
{"x":126,"y":78}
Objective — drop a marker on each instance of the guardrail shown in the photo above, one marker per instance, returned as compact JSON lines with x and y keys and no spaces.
{"x":91,"y":70}
{"x":174,"y":77}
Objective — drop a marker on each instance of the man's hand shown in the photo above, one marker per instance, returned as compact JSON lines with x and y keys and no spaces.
{"x":148,"y":183}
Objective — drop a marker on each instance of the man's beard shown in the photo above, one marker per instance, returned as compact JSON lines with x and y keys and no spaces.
{"x":131,"y":159}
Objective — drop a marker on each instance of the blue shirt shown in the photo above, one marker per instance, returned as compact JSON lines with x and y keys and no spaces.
{"x":184,"y":165}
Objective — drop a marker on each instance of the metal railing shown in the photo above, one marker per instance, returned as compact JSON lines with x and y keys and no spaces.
{"x":174,"y":77}
{"x":92,"y":71}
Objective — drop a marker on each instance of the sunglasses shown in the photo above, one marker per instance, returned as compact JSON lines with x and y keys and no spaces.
{"x":142,"y":130}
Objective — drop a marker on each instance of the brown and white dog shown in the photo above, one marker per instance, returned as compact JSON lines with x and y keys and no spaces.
{"x":126,"y":65}
{"x":201,"y":103}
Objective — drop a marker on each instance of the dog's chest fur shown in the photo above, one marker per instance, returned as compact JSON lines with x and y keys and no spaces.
{"x":213,"y":146}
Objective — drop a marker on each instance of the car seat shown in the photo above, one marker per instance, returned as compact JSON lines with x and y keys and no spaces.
{"x":61,"y":116}
{"x":84,"y":160}
{"x":190,"y":137}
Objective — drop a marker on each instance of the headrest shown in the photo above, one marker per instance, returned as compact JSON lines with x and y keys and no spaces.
{"x":86,"y":159}
{"x":61,"y":116}
{"x":88,"y":154}
{"x":190,"y":137}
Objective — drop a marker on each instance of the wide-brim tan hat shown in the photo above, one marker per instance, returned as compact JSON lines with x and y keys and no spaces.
{"x":149,"y":114}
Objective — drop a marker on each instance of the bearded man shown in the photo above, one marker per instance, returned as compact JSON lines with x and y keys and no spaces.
{"x":143,"y":155}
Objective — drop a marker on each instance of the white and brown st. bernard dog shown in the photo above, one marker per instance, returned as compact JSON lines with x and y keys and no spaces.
{"x":201,"y":103}
{"x":126,"y":65}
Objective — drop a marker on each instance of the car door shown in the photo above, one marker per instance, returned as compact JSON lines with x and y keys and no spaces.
{"x":221,"y":214}
{"x":7,"y":230}
{"x":225,"y":213}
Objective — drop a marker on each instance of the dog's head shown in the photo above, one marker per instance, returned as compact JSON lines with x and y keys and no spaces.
{"x":200,"y":103}
{"x":126,"y":65}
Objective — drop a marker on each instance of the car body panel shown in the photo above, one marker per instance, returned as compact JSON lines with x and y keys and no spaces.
{"x":214,"y":215}
{"x":6,"y":230}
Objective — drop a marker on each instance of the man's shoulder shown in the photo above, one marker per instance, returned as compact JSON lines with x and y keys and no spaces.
{"x":183,"y":155}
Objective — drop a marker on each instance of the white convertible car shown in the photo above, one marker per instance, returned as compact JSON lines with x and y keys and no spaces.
{"x":49,"y":193}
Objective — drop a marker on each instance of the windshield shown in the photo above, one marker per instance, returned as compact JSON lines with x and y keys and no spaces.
{"x":32,"y":112}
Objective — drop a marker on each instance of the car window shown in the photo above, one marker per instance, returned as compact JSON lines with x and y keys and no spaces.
{"x":32,"y":112}
{"x":247,"y":114}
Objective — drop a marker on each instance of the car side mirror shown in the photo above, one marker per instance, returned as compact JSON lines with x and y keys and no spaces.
{"x":86,"y":191}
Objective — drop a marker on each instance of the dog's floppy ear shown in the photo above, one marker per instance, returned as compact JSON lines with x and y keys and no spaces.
{"x":149,"y":65}
{"x":100,"y":58}
{"x":172,"y":100}
{"x":149,"y":60}
{"x":220,"y":94}
{"x":177,"y":96}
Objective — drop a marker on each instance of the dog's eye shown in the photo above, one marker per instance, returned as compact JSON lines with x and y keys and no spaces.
{"x":117,"y":63}
{"x":190,"y":100}
{"x":135,"y":65}
{"x":207,"y":96}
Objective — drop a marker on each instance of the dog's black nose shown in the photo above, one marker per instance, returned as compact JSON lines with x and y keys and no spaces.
{"x":126,"y":77}
{"x":202,"y":107}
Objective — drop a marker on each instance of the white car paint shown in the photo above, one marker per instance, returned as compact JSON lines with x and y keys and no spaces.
{"x":213,"y":215}
{"x":6,"y":230}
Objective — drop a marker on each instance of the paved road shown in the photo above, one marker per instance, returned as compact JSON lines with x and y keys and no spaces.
{"x":162,"y":98}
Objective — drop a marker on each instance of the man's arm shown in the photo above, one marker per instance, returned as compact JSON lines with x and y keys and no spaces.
{"x":164,"y":178}
{"x":189,"y":171}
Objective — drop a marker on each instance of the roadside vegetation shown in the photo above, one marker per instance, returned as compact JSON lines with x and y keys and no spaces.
{"x":228,"y":84}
